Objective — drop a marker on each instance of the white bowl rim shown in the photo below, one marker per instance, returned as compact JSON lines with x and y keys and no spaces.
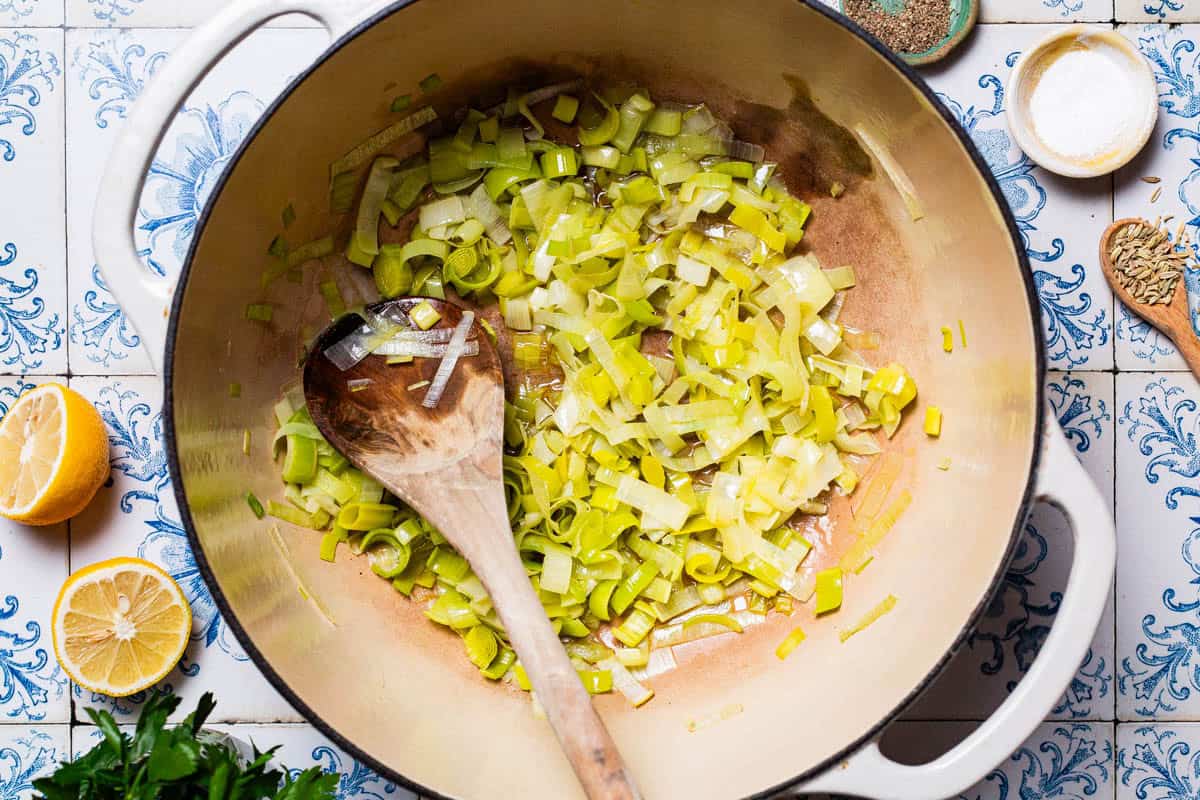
{"x":1019,"y":124}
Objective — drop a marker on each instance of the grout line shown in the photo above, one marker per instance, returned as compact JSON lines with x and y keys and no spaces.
{"x":1116,"y":693}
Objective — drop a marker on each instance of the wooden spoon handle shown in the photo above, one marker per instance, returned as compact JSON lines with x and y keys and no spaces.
{"x":580,"y":731}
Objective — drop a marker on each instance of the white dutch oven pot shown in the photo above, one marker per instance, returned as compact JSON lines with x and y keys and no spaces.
{"x":361,"y":662}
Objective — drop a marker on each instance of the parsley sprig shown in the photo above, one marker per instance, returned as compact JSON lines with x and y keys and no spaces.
{"x":161,"y":763}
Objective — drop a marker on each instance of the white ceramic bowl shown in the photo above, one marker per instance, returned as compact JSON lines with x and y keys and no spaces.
{"x":1028,"y":71}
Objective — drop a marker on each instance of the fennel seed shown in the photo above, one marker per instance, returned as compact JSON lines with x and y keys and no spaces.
{"x":1148,"y":262}
{"x":1151,"y":178}
{"x":1154,"y":197}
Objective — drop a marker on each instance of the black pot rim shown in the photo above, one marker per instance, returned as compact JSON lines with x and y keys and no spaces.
{"x":384,"y":770}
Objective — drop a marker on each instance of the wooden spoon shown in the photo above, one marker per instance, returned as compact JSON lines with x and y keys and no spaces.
{"x":1174,"y":318}
{"x":445,"y":462}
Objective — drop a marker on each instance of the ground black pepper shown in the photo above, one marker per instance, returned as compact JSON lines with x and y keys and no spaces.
{"x":918,"y":26}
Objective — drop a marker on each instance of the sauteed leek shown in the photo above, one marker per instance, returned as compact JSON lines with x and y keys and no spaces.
{"x":685,"y":391}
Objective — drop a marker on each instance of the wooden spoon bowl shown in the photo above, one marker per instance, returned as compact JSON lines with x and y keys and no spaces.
{"x":446,"y":463}
{"x":1174,"y":319}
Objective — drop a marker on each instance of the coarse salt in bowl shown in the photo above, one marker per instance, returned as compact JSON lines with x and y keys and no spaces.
{"x":1082,"y":102}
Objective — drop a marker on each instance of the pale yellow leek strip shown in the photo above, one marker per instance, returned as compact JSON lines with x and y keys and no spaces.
{"x":885,"y":521}
{"x":366,"y":150}
{"x":904,"y":185}
{"x":860,"y":553}
{"x":728,"y":712}
{"x":870,"y":497}
{"x":885,"y":605}
{"x":790,"y":643}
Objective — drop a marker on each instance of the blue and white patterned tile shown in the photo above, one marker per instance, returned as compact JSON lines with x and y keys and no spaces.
{"x":1173,"y":156}
{"x":161,"y":14}
{"x":1170,"y":11}
{"x":136,"y":515}
{"x":1158,"y":529}
{"x":27,"y":754}
{"x":1060,"y":220}
{"x":1011,"y":632}
{"x":107,"y":70}
{"x":1158,"y":761}
{"x":1046,"y":11}
{"x":33,"y":564}
{"x":32,"y":256}
{"x":31,"y":13}
{"x":1060,"y":761}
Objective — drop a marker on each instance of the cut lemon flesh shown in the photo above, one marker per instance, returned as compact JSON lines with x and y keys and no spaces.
{"x":120,"y":626}
{"x":53,"y":455}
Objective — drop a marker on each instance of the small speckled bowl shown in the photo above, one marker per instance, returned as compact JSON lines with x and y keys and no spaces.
{"x":963,"y":16}
{"x":1028,"y":71}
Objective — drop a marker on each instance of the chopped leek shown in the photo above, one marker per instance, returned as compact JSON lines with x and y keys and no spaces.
{"x":367,"y":149}
{"x":260,"y":312}
{"x":685,"y":385}
{"x":884,"y":606}
{"x":933,"y":421}
{"x":255,"y":505}
{"x":565,"y":108}
{"x":829,"y":590}
{"x":790,"y":643}
{"x":308,"y":251}
{"x":424,"y":315}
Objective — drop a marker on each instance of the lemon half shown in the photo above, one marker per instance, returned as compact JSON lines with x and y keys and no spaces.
{"x":120,"y":626}
{"x":53,"y":455}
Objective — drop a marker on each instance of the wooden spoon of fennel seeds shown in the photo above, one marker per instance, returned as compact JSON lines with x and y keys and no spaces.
{"x":1145,"y":267}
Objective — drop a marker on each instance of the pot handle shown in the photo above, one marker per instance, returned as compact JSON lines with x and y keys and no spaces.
{"x":144,"y":295}
{"x":1063,"y":483}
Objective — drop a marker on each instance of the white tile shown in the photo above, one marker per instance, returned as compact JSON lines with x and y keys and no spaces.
{"x":31,"y":13}
{"x":137,"y":516}
{"x":106,"y":72}
{"x":1059,"y":219}
{"x":161,"y":13}
{"x":1158,"y":530}
{"x":1157,"y":762}
{"x":32,"y":256}
{"x":1171,"y":156}
{"x":1012,"y":630}
{"x":1046,"y":11}
{"x":27,"y":753}
{"x":1064,"y":760}
{"x":1157,"y":11}
{"x":33,"y":564}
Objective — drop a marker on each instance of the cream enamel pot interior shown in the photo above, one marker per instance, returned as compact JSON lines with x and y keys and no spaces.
{"x":361,"y":662}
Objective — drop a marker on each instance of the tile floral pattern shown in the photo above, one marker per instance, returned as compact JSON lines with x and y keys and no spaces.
{"x":32,"y":297}
{"x":1158,"y":461}
{"x":1176,"y":161}
{"x":1075,"y":301}
{"x":26,"y":754}
{"x":71,"y":71}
